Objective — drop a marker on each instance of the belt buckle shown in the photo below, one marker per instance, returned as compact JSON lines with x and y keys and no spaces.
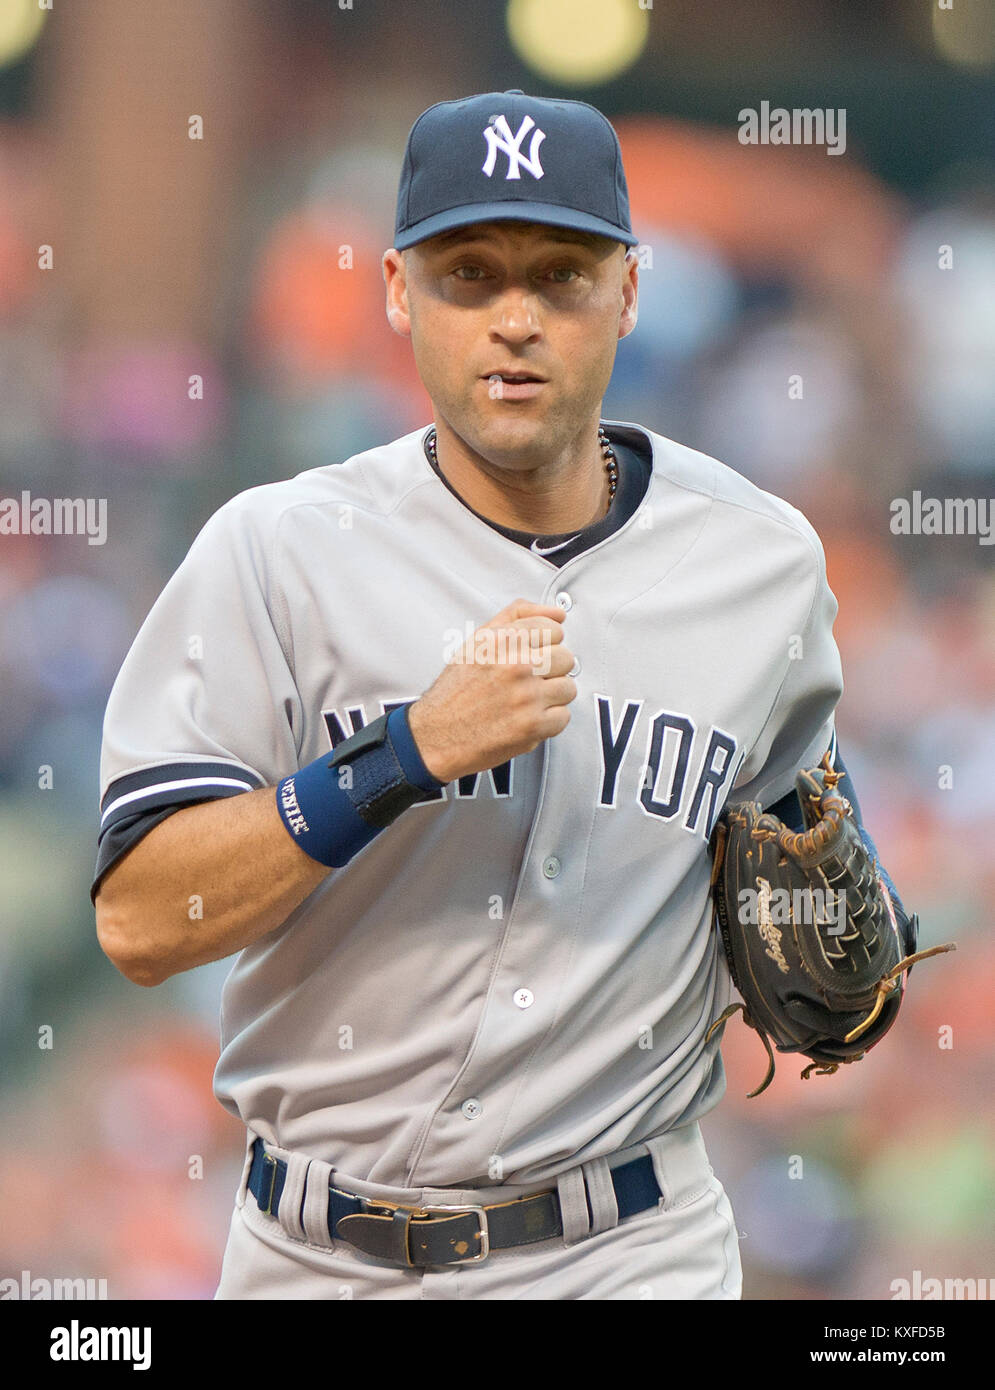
{"x":483,"y":1233}
{"x":269,"y":1162}
{"x":424,"y":1213}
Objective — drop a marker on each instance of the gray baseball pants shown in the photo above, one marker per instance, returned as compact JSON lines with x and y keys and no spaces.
{"x":686,"y":1247}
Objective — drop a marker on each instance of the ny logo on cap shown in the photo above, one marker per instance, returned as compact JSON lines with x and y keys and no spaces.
{"x":499,"y":137}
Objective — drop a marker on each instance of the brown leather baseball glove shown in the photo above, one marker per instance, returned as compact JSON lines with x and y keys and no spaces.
{"x":810,"y":932}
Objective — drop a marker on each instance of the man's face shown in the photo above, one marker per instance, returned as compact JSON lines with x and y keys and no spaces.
{"x":514,"y":328}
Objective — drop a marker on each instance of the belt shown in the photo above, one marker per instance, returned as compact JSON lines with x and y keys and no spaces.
{"x":446,"y":1234}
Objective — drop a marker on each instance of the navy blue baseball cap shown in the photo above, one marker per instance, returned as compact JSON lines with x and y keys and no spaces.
{"x":505,"y":156}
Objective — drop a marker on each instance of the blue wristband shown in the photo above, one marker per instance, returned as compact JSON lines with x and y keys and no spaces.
{"x":335,"y":806}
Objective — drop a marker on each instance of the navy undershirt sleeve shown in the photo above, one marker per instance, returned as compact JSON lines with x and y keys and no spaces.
{"x":789,"y":810}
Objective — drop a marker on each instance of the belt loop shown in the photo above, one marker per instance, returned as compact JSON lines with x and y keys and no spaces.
{"x":573,"y":1206}
{"x":601,"y":1194}
{"x":681,"y":1164}
{"x":292,"y":1197}
{"x":314,"y":1216}
{"x":243,"y":1185}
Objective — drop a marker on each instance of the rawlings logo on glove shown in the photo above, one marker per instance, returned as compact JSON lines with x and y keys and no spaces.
{"x":809,"y":929}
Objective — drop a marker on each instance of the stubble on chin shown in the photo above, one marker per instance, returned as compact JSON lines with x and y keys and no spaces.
{"x":509,"y":444}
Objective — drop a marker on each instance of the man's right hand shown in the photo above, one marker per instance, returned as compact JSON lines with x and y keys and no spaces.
{"x":505,"y":692}
{"x":235,"y":853}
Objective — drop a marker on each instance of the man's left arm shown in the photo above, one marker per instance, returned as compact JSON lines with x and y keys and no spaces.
{"x":831,"y":1017}
{"x":801,"y":727}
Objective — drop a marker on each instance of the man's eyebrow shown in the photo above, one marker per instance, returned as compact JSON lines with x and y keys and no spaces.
{"x":443,"y":240}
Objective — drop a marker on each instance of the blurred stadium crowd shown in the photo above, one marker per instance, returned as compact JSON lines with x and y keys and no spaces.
{"x":251,"y":261}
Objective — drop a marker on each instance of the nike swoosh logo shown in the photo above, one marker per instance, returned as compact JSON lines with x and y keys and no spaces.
{"x":538,"y":549}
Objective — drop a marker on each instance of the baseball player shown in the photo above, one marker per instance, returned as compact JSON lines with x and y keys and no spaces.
{"x":433,"y":740}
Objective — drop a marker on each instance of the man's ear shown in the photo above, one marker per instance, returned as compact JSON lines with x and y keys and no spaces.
{"x":396,"y":282}
{"x":630,"y":293}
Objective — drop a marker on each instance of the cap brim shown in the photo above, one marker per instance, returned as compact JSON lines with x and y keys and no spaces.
{"x":546,"y":213}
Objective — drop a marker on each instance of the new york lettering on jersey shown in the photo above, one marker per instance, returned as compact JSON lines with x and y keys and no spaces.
{"x":673,"y":746}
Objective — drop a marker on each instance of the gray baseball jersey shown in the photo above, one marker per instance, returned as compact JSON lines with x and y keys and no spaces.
{"x":517,"y":975}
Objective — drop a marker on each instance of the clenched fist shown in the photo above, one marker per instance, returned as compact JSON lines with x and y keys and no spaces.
{"x":506,"y":691}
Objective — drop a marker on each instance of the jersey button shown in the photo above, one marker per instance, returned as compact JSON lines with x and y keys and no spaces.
{"x":564,"y":601}
{"x":472,"y":1108}
{"x":551,"y":866}
{"x":523,"y":998}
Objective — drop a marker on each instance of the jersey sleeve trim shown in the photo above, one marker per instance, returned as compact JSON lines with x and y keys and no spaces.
{"x":137,"y":802}
{"x":173,"y":784}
